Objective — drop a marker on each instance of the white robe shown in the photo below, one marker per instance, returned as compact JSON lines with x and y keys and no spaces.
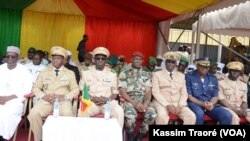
{"x":17,"y":81}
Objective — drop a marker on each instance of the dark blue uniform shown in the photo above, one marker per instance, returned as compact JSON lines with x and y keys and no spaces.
{"x":205,"y":91}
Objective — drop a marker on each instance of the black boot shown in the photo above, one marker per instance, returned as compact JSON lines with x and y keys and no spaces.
{"x":139,"y":137}
{"x":131,"y":137}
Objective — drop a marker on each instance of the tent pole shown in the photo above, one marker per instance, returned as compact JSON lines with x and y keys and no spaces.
{"x":197,"y":54}
{"x":219,"y":50}
{"x":192,"y":58}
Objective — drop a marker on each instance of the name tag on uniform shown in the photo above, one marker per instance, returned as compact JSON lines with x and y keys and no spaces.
{"x":47,"y":78}
{"x":64,"y":79}
{"x":106,"y":80}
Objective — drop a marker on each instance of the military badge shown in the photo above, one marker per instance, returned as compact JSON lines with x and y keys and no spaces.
{"x":45,"y":86}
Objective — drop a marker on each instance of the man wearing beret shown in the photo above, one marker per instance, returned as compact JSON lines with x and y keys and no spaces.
{"x":135,"y":87}
{"x":102,"y":85}
{"x":55,"y":81}
{"x":170,"y":93}
{"x":15,"y":82}
{"x":233,"y":93}
{"x":183,"y":64}
{"x":202,"y":88}
{"x":213,"y":69}
{"x":152,"y":62}
{"x":88,"y":61}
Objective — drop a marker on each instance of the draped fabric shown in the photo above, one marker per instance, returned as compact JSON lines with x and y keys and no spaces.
{"x":121,"y":36}
{"x":10,"y":26}
{"x":44,"y":30}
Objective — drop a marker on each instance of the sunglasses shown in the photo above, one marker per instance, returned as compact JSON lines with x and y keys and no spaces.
{"x":170,"y":61}
{"x":100,"y":58}
{"x":10,"y":57}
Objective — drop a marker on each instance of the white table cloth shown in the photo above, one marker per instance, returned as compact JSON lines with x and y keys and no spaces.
{"x":81,"y":129}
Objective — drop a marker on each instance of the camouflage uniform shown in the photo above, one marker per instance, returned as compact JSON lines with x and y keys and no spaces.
{"x":135,"y":83}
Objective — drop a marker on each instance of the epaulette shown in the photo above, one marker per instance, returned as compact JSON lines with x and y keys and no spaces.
{"x":220,"y":79}
{"x":212,"y":75}
{"x":112,"y":70}
{"x":243,"y":81}
{"x":126,"y":69}
{"x":146,"y":69}
{"x":190,"y":73}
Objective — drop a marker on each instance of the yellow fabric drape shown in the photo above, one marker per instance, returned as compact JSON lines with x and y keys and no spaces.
{"x":55,"y":6}
{"x":180,"y":6}
{"x":44,"y":30}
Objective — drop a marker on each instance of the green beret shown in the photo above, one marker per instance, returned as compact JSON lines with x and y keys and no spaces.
{"x":184,"y":59}
{"x":32,"y":49}
{"x":113,"y":59}
{"x":152,"y":60}
{"x":213,"y":63}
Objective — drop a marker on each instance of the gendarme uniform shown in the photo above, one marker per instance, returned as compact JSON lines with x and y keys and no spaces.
{"x":48,"y":83}
{"x":102,"y":84}
{"x":204,"y":90}
{"x":135,"y":82}
{"x":171,"y":91}
{"x":234,"y":92}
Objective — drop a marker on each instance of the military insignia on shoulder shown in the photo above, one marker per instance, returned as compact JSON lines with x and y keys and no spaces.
{"x":112,"y":70}
{"x":219,"y":79}
{"x":243,"y":81}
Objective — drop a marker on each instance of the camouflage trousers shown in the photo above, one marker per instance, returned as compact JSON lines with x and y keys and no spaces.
{"x":130,"y":114}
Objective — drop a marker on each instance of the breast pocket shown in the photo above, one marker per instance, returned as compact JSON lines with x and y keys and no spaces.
{"x":164,"y":85}
{"x":107,"y":82}
{"x":241,"y":94}
{"x":228,"y":92}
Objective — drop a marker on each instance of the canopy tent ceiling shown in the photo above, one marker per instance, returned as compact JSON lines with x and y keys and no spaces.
{"x":143,"y":10}
{"x":234,"y":21}
{"x":139,"y":10}
{"x":15,"y":4}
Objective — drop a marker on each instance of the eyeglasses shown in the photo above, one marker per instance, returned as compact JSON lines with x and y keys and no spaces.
{"x":100,"y":58}
{"x":170,"y":61}
{"x":10,"y":57}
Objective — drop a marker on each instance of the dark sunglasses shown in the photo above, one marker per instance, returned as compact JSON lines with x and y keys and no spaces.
{"x":10,"y":57}
{"x":170,"y":61}
{"x":100,"y":58}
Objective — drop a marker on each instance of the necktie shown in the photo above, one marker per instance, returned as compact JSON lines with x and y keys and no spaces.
{"x":56,"y":72}
{"x":170,"y":74}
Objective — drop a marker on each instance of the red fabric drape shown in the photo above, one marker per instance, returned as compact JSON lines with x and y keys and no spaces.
{"x":122,"y":37}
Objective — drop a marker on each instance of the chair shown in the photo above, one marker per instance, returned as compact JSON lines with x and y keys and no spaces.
{"x":74,"y":105}
{"x":243,"y":120}
{"x":24,"y":114}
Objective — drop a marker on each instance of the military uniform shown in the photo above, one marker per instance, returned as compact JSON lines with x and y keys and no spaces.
{"x":167,"y":91}
{"x":102,"y":83}
{"x":234,"y":93}
{"x":219,"y":76}
{"x":204,"y":91}
{"x":48,"y":83}
{"x":135,"y":83}
{"x":248,"y":93}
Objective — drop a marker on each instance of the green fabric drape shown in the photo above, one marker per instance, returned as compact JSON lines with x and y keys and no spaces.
{"x":10,"y":28}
